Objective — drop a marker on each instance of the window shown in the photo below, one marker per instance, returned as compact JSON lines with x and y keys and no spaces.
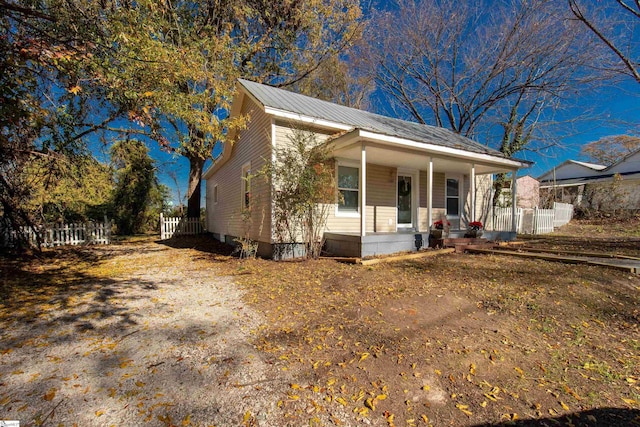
{"x":215,"y":194}
{"x":348,"y":187}
{"x":453,"y":197}
{"x":246,"y":185}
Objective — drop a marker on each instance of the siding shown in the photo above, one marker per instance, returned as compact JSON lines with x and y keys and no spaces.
{"x":381,"y":199}
{"x":285,"y":133}
{"x":484,"y":198}
{"x":253,"y":145}
{"x":438,"y":199}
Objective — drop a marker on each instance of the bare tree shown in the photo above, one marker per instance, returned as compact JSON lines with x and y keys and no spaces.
{"x":610,"y":149}
{"x":614,"y":26}
{"x":495,"y":70}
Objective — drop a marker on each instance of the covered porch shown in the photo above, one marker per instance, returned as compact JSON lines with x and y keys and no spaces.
{"x":393,"y":190}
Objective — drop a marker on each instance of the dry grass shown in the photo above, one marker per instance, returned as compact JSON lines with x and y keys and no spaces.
{"x":451,"y":340}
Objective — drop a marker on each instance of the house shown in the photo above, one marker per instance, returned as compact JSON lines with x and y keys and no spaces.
{"x":528,"y":189}
{"x":397,"y":177}
{"x":595,"y":186}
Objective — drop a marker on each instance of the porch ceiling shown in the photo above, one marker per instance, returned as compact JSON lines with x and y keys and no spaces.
{"x":409,"y":159}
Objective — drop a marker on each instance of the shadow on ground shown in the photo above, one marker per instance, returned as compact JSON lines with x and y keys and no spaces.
{"x":601,"y":417}
{"x":203,"y":243}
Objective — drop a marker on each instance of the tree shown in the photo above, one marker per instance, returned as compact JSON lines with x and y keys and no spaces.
{"x":610,"y":149}
{"x":44,"y":112}
{"x":67,"y":191}
{"x":136,"y":186}
{"x":176,"y":63}
{"x":490,"y":70}
{"x":302,"y":176}
{"x":614,"y":26}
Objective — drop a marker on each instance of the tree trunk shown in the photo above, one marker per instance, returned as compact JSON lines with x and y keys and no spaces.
{"x":196,"y":166}
{"x":498,"y":185}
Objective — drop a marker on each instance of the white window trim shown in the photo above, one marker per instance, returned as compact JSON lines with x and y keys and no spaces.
{"x":460,"y":178}
{"x":351,"y":164}
{"x":243,"y":185}
{"x":215,"y":194}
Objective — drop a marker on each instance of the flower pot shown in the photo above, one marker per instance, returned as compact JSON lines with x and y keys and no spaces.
{"x":474,"y":233}
{"x":436,"y":234}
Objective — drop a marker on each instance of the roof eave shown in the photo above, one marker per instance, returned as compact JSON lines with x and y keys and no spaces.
{"x":364,"y":135}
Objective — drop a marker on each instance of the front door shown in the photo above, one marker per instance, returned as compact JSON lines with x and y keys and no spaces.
{"x":405,"y":201}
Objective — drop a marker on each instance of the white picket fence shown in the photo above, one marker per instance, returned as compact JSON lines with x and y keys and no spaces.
{"x":563,"y":212}
{"x":543,"y":221}
{"x":179,"y":226}
{"x":502,"y":219}
{"x":61,"y":234}
{"x":540,"y":221}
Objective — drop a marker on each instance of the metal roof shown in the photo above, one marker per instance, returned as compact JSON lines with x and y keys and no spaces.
{"x":314,"y":108}
{"x":589,"y":165}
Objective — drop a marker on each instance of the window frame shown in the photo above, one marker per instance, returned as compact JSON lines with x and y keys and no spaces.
{"x":215,"y":194}
{"x":347,"y":213}
{"x":245,"y":182}
{"x":459,"y":197}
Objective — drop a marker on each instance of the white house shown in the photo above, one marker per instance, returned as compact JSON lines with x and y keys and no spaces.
{"x":398,"y":176}
{"x":571,"y":180}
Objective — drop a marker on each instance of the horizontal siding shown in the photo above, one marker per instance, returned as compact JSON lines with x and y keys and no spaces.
{"x":438,"y":189}
{"x":424,"y":217}
{"x":285,"y":131}
{"x":381,"y":199}
{"x":254,"y":145}
{"x":484,"y":198}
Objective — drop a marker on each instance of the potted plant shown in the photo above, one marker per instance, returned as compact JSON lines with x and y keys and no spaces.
{"x":474,"y":229}
{"x":437,"y":228}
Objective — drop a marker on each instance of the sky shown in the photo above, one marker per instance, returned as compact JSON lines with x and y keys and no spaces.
{"x":613,"y":110}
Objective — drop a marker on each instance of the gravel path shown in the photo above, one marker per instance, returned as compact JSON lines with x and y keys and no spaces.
{"x":165,"y":343}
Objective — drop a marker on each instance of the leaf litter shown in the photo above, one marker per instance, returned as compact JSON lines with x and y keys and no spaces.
{"x":459,"y":339}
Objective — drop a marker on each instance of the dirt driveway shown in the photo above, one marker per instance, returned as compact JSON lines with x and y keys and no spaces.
{"x":105,"y":340}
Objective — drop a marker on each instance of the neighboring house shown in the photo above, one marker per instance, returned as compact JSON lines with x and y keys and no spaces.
{"x":398,"y":177}
{"x":596,"y":186}
{"x":527,"y":191}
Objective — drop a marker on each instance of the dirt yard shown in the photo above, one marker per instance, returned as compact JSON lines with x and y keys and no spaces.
{"x":147,"y":334}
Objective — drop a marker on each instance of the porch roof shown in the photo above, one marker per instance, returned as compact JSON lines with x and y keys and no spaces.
{"x":389,"y":150}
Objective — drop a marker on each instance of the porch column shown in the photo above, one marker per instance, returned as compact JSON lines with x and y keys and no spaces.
{"x":472,"y":188}
{"x":363,"y":189}
{"x":429,"y":193}
{"x":514,"y":201}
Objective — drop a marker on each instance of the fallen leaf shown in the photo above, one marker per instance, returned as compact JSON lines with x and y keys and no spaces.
{"x":99,"y":413}
{"x":464,"y":409}
{"x":369,"y":403}
{"x":49,"y":395}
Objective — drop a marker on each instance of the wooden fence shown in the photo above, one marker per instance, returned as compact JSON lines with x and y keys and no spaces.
{"x":502,"y":219}
{"x":563,"y":213}
{"x":60,"y":234}
{"x":534,"y":221}
{"x":179,"y":226}
{"x":543,"y":221}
